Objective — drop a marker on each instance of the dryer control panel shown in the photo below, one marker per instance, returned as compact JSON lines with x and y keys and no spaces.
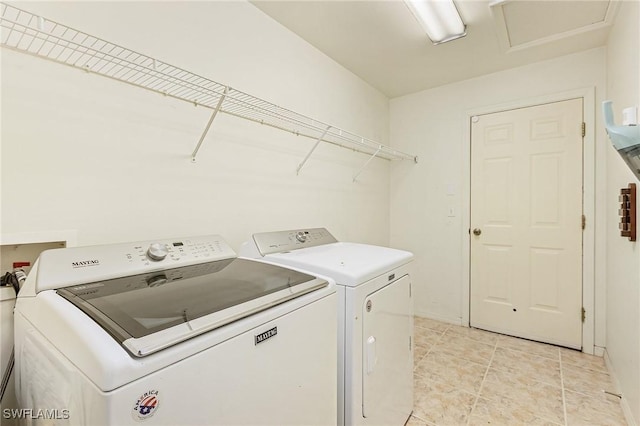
{"x":60,"y":268}
{"x":282,"y":241}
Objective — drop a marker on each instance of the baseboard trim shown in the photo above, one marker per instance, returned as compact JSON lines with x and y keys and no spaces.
{"x":624,"y":402}
{"x":441,"y":318}
{"x":597,"y":351}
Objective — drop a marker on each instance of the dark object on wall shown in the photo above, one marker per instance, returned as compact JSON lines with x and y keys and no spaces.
{"x":627,"y":212}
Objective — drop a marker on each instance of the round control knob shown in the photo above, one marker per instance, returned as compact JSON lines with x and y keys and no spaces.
{"x":157,"y":251}
{"x":301,"y":236}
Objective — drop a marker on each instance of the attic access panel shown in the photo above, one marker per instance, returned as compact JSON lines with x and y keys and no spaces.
{"x":526,"y":23}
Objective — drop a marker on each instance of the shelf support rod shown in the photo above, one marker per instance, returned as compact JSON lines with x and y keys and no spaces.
{"x":206,"y":129}
{"x":301,"y":165}
{"x":367,"y":163}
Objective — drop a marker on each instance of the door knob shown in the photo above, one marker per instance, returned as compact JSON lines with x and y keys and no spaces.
{"x":477,"y":231}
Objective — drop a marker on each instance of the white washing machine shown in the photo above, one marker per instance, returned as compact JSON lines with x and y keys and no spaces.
{"x":176,"y":332}
{"x":7,"y":302}
{"x":375,"y":318}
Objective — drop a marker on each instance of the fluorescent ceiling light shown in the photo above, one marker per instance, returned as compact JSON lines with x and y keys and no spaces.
{"x":439,"y":18}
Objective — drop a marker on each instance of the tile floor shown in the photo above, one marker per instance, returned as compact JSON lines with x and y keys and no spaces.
{"x":466,"y":376}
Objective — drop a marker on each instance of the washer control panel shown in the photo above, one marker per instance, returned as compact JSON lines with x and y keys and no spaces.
{"x":59,"y":268}
{"x":157,"y":251}
{"x":178,"y":251}
{"x":283,"y":241}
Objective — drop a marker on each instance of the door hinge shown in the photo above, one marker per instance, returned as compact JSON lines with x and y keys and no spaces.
{"x":584,"y":129}
{"x":584,"y":314}
{"x":409,"y":342}
{"x":584,"y":221}
{"x":409,"y":290}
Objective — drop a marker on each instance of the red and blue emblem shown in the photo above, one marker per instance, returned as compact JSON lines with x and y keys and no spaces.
{"x":146,"y":405}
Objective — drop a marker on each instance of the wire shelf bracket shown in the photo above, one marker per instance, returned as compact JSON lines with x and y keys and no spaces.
{"x":208,"y":126}
{"x":364,"y":166}
{"x":34,"y":35}
{"x":301,"y":165}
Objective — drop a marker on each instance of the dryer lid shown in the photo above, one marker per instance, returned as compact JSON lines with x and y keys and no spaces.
{"x":152,"y":311}
{"x":350,"y":264}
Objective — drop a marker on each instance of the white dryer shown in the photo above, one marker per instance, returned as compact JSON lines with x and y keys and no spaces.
{"x":176,"y":332}
{"x":375,"y":318}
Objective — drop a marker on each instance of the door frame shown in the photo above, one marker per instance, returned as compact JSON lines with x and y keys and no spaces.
{"x":589,"y":266}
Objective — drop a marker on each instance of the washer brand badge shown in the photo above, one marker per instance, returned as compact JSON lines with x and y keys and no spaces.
{"x":85,"y":263}
{"x":146,"y":405}
{"x":266,"y":335}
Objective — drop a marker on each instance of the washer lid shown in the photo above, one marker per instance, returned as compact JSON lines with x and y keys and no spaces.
{"x":350,"y":264}
{"x":152,"y":311}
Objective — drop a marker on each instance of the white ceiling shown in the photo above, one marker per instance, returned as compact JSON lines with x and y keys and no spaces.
{"x":382,"y":43}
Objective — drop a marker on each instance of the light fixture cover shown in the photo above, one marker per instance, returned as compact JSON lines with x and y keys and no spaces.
{"x":439,"y":18}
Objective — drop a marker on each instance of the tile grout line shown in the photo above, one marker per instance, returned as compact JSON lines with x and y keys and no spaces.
{"x":564,"y":400}
{"x":436,"y":342}
{"x":475,"y":402}
{"x":430,"y":346}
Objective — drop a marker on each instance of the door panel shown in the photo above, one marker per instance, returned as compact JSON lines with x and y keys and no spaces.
{"x":545,"y":270}
{"x":526,"y":202}
{"x":498,"y":175}
{"x":545,"y":190}
{"x":498,"y":273}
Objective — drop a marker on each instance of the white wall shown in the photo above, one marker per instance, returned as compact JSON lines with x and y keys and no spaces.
{"x":432,"y":124}
{"x":623,"y":256}
{"x":111,"y":161}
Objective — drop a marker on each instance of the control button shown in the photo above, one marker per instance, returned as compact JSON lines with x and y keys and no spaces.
{"x":157,"y":280}
{"x":301,"y":236}
{"x":157,"y":251}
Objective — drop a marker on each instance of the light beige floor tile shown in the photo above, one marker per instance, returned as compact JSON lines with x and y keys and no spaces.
{"x":543,"y":398}
{"x":521,"y":378}
{"x":464,"y":348}
{"x":579,"y":359}
{"x":505,"y":412}
{"x":528,"y":346}
{"x":448,"y":369}
{"x":430,"y":324}
{"x":419,"y":352}
{"x":441,"y":404}
{"x":545,"y":369}
{"x":473,"y":334}
{"x":587,"y":410}
{"x":418,"y":383}
{"x":425,"y":336}
{"x":514,"y":379}
{"x":585,"y":381}
{"x":522,"y":385}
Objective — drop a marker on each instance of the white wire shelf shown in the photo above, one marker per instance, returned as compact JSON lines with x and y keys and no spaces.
{"x":32,"y":34}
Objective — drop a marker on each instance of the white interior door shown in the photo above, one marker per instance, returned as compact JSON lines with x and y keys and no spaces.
{"x":526,"y":222}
